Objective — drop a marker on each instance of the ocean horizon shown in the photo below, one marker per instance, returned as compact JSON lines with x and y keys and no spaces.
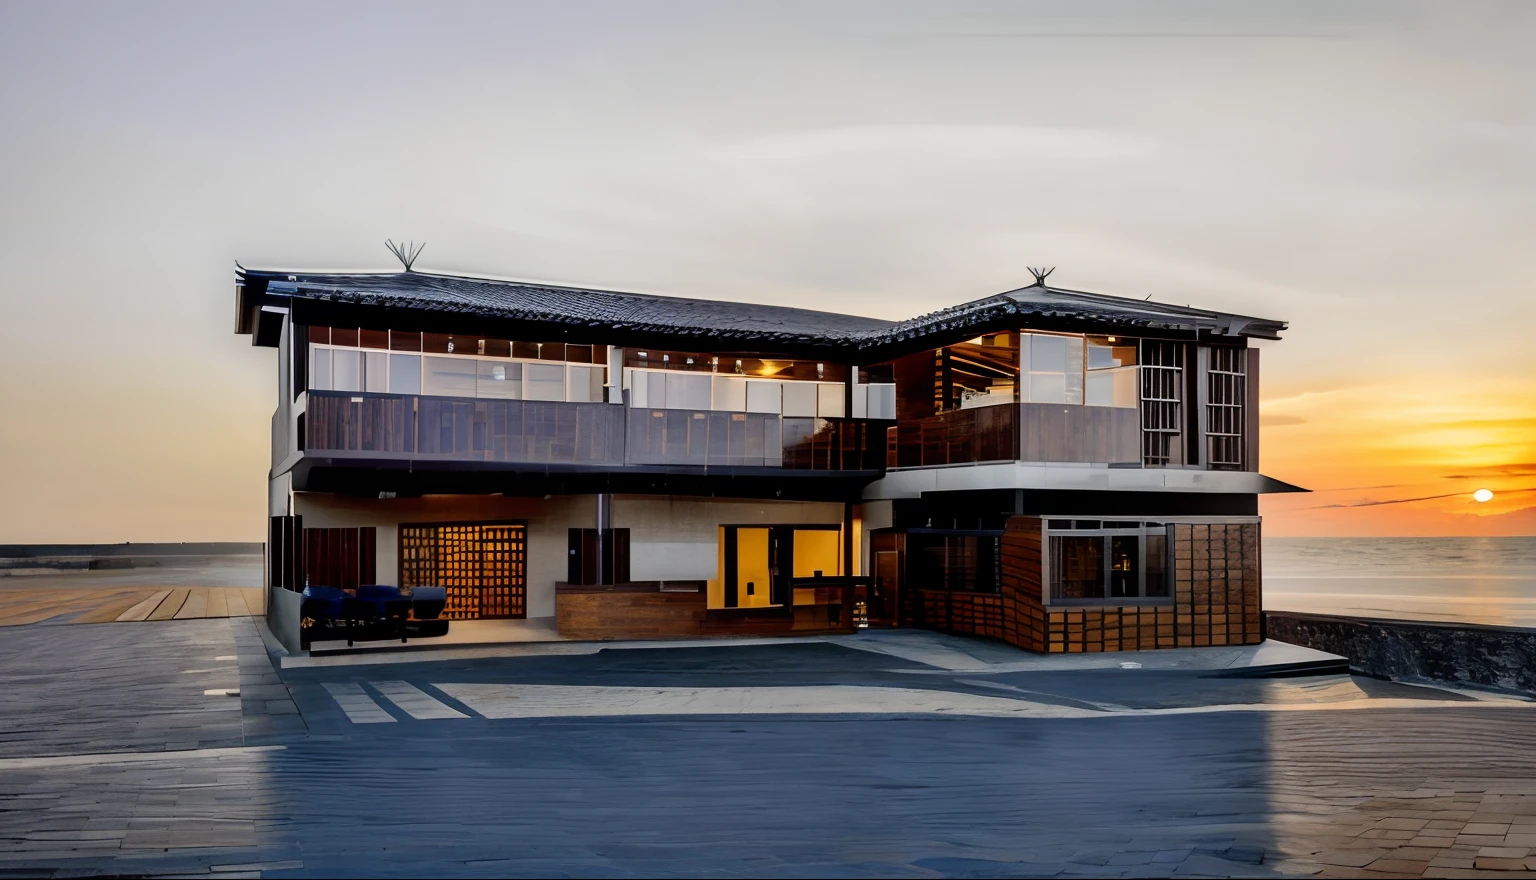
{"x":1487,"y":580}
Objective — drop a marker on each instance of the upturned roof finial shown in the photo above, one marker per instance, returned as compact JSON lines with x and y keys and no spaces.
{"x":405,"y":253}
{"x":1041,"y":274}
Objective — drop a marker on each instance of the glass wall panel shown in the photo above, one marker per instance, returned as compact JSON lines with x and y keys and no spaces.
{"x":499,"y":380}
{"x":448,"y":377}
{"x":882,"y":401}
{"x":1047,"y":387}
{"x":729,"y":394}
{"x":831,"y":401}
{"x":375,"y":371}
{"x":1054,"y":367}
{"x":320,"y":369}
{"x":1077,"y":567}
{"x":346,"y":370}
{"x":656,"y":390}
{"x":586,"y":384}
{"x":404,"y":374}
{"x":800,"y":399}
{"x":544,"y":381}
{"x":688,"y":391}
{"x":765,"y":397}
{"x":402,"y":341}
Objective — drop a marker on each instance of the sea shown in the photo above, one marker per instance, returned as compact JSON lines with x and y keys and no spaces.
{"x":1466,"y":580}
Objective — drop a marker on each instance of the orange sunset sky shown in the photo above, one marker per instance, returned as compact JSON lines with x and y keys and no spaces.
{"x":1362,"y":170}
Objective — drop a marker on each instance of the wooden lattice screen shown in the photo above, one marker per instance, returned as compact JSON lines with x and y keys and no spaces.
{"x":483,"y":566}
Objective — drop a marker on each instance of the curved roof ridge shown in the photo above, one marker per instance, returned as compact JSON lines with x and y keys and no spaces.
{"x":747,"y":322}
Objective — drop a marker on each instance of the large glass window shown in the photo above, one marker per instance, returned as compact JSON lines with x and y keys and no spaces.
{"x":1096,"y":561}
{"x":1054,"y":368}
{"x":1111,"y":372}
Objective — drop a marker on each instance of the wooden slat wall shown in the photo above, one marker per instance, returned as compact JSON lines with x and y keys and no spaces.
{"x":342,"y":557}
{"x":602,"y":615}
{"x":1216,"y":598}
{"x":1063,"y":432}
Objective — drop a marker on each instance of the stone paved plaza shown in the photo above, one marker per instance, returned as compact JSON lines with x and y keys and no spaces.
{"x":177,"y":748}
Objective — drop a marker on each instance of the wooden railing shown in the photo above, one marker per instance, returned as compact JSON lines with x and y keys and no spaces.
{"x":408,"y":426}
{"x":425,"y":427}
{"x":962,"y":436}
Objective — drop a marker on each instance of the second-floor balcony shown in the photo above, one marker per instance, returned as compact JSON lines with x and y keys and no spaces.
{"x":423,"y":427}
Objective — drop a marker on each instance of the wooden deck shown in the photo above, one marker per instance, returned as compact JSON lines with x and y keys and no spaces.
{"x":122,"y":604}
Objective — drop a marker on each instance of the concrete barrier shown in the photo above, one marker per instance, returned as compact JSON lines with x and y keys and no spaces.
{"x":1500,"y":657}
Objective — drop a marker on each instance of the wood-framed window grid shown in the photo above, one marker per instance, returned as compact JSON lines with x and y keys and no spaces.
{"x":1162,"y":402}
{"x":1227,"y":384}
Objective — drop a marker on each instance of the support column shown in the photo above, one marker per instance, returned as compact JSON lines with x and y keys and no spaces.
{"x":604,"y":535}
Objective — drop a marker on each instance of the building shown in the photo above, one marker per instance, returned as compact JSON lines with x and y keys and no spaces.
{"x":1062,"y":470}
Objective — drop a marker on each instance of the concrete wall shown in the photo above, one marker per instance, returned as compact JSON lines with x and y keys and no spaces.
{"x":674,"y":538}
{"x":548,"y":524}
{"x":1457,"y":653}
{"x":869,"y":516}
{"x":283,"y":616}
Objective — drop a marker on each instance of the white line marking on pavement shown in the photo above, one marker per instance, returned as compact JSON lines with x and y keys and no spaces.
{"x":415,"y":702}
{"x":563,"y":701}
{"x":360,"y":708}
{"x":553,"y":701}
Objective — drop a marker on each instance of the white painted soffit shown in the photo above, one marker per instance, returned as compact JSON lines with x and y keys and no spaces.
{"x":912,"y":483}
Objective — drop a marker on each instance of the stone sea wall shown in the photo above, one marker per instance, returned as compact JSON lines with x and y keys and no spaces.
{"x":1499,"y":657}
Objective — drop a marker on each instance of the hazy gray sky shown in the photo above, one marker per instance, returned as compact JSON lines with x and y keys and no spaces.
{"x":1364,"y":170}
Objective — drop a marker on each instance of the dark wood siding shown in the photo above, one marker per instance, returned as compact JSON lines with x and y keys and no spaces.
{"x":1216,"y":598}
{"x":1066,"y":432}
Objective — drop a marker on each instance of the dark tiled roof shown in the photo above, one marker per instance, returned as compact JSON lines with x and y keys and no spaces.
{"x":1096,"y":309}
{"x":576,"y":306}
{"x":746,"y":323}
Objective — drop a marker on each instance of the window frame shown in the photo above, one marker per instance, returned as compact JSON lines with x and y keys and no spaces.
{"x":312,"y":347}
{"x":1143,"y":529}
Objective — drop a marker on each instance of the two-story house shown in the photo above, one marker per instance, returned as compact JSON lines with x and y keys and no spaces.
{"x":1062,"y":470}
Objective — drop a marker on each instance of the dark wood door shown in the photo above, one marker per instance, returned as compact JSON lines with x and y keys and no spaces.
{"x":885,"y":591}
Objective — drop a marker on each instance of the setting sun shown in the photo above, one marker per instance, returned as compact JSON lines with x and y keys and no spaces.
{"x":1482,"y":495}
